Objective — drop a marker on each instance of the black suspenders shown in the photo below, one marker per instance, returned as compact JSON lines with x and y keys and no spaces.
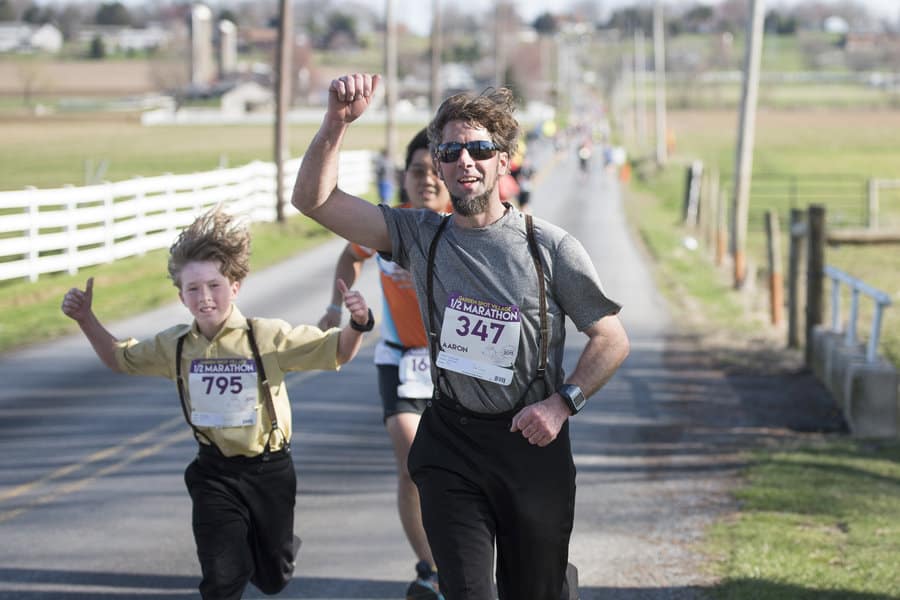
{"x":179,"y":346}
{"x":434,"y":335}
{"x":264,"y":384}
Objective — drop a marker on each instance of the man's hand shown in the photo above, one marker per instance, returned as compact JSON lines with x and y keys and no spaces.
{"x":540,"y":422}
{"x":350,"y":95}
{"x":76,"y":303}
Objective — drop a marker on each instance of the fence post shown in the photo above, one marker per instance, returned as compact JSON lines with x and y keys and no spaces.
{"x":141,"y":219}
{"x":703,"y":206}
{"x":795,"y":251}
{"x":109,"y":222}
{"x":872,"y":212}
{"x":33,"y":234}
{"x":815,"y":265}
{"x":776,"y":279}
{"x":72,"y":232}
{"x":721,"y":228}
{"x":169,"y":202}
{"x":692,"y":193}
{"x":712,"y":205}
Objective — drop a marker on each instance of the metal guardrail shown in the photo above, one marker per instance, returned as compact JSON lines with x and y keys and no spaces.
{"x":882,"y":301}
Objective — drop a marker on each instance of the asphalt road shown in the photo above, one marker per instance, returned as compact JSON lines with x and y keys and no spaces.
{"x":92,"y":500}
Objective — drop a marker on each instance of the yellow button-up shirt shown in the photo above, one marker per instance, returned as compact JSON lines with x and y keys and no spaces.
{"x":282,"y":348}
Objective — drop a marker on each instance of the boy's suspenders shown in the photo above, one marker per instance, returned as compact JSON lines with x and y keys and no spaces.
{"x":267,"y":395}
{"x":179,"y":346}
{"x":545,"y":328}
{"x":266,"y":391}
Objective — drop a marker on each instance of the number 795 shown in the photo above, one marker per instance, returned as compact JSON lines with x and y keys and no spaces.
{"x":232,"y":384}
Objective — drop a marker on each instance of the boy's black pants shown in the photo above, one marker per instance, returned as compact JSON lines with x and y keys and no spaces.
{"x":479,"y":482}
{"x":243,"y":521}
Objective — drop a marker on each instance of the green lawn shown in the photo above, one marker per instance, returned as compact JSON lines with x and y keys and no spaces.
{"x":53,"y":152}
{"x":821,"y":521}
{"x":832,"y":146}
{"x":818,"y":519}
{"x":31,"y":311}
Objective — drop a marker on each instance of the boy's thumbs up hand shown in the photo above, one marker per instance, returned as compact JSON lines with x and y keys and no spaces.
{"x":355,"y":303}
{"x":76,"y":303}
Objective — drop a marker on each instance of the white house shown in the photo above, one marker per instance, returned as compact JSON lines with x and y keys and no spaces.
{"x":124,"y":39}
{"x":151,"y":37}
{"x":836,"y":24}
{"x":47,"y":38}
{"x":13,"y":36}
{"x":247,"y":97}
{"x":22,"y":37}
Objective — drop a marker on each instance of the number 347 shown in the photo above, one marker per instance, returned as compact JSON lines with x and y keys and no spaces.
{"x":223,"y":384}
{"x":479,"y":329}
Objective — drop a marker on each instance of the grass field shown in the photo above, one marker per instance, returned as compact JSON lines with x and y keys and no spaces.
{"x":31,"y":311}
{"x":818,"y":143}
{"x":52,"y":152}
{"x":818,"y":520}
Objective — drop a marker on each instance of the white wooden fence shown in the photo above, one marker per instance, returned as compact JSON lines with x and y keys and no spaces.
{"x":62,"y":230}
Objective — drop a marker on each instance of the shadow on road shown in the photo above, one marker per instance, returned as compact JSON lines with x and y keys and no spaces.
{"x":30,"y":584}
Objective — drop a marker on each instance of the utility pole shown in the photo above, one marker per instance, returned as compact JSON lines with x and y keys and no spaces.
{"x":659,"y":64}
{"x":390,"y":69}
{"x":563,"y":94}
{"x":628,"y":116}
{"x":743,"y":162}
{"x":437,"y":48}
{"x":640,"y":88}
{"x":499,"y":50}
{"x":283,"y":72}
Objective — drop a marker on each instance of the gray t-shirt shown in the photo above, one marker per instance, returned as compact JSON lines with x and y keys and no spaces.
{"x":492,"y":266}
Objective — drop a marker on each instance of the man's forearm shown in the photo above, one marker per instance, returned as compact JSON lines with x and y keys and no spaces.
{"x":604,"y":352}
{"x":318,"y":175}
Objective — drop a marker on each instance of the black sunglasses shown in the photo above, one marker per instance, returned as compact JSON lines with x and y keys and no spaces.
{"x":478,"y":150}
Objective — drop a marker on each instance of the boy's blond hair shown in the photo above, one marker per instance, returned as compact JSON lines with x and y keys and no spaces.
{"x":217,"y":236}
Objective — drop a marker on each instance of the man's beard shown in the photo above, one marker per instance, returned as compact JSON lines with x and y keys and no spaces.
{"x":469,"y":207}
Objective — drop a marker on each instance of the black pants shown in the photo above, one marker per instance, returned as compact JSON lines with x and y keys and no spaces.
{"x":478,"y":483}
{"x":243,"y":521}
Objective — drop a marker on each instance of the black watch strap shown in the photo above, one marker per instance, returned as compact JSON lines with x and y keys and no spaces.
{"x":573,"y":397}
{"x":370,"y":324}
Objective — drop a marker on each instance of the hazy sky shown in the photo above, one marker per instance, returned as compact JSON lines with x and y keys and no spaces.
{"x":417,"y":13}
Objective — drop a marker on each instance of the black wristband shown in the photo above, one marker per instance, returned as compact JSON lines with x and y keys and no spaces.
{"x":370,"y":324}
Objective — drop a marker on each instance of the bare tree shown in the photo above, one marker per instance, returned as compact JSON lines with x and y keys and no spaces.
{"x":31,"y":75}
{"x":169,"y":70}
{"x":588,"y":10}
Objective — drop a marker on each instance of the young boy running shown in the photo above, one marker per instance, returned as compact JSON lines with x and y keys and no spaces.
{"x":229,"y":371}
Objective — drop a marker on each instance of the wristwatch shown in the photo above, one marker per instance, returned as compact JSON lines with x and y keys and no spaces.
{"x":364,"y":328}
{"x":573,"y":397}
